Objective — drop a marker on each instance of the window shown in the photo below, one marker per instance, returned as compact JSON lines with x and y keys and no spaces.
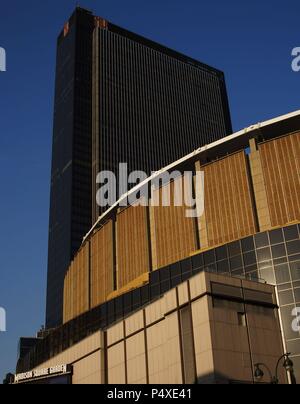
{"x":267,"y":274}
{"x":119,"y":306}
{"x":209,"y":257}
{"x":251,"y":268}
{"x":155,"y":291}
{"x":249,"y":258}
{"x":111,"y":311}
{"x":236,"y":263}
{"x":296,"y":361}
{"x":154,"y":277}
{"x":282,"y":274}
{"x":211,"y":268}
{"x":279,"y":261}
{"x":136,"y":298}
{"x":291,"y":233}
{"x":286,"y":297}
{"x":296,"y":284}
{"x":276,"y":236}
{"x":287,"y":319}
{"x":264,"y":254}
{"x":145,"y":294}
{"x":293,"y":247}
{"x":253,"y":276}
{"x":248,"y":244}
{"x":278,"y":251}
{"x":297,"y":295}
{"x":221,"y":253}
{"x":165,"y":286}
{"x":223,"y":267}
{"x":197,"y":261}
{"x":295,"y":270}
{"x":293,"y":346}
{"x":165,"y":274}
{"x":261,"y":240}
{"x":239,"y":273}
{"x":285,"y":286}
{"x":234,"y":249}
{"x":176,"y":281}
{"x":265,"y":264}
{"x":175,"y":270}
{"x":186,"y":266}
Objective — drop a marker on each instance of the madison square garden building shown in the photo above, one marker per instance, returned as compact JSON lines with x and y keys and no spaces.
{"x":153,"y":296}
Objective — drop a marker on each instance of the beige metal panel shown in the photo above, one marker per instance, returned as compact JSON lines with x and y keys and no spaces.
{"x":115,"y":333}
{"x":259,"y":188}
{"x":136,"y":359}
{"x":183,"y":293}
{"x":157,"y":336}
{"x":155,"y":312}
{"x":135,"y":323}
{"x":229,"y":211}
{"x":198,"y":285}
{"x":102,"y":264}
{"x":170,"y":303}
{"x":116,"y":364}
{"x":187,"y":343}
{"x":173,"y":234}
{"x":132,"y":244}
{"x":202,"y":221}
{"x":201,"y":318}
{"x":76,"y":299}
{"x":230,"y":336}
{"x":205,"y":367}
{"x":217,"y":343}
{"x":76,"y":352}
{"x":88,"y":370}
{"x":173,"y":349}
{"x":280,"y":163}
{"x":265,"y":337}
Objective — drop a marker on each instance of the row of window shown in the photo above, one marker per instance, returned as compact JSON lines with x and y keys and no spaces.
{"x":167,"y":278}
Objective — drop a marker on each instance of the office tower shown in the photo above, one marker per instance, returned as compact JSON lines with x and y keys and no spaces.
{"x":119,"y":98}
{"x":70,"y":204}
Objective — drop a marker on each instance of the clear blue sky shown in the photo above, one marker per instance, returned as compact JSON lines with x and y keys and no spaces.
{"x":251,"y":41}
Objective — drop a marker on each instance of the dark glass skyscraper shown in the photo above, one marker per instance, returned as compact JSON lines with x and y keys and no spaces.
{"x":71,"y":201}
{"x":119,"y":98}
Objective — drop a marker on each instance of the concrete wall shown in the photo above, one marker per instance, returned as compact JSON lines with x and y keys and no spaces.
{"x":203,"y":331}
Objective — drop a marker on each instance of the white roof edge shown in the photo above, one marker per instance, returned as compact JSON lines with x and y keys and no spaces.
{"x":226,"y":139}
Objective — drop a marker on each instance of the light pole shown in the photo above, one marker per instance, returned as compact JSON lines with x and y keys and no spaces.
{"x":287,"y":365}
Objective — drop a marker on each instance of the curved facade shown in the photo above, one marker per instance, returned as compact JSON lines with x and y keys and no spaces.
{"x":249,"y":228}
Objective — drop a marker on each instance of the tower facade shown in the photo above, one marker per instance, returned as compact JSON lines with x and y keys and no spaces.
{"x":120,"y":98}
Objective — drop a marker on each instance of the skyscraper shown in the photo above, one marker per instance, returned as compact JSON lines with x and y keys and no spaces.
{"x":119,"y":98}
